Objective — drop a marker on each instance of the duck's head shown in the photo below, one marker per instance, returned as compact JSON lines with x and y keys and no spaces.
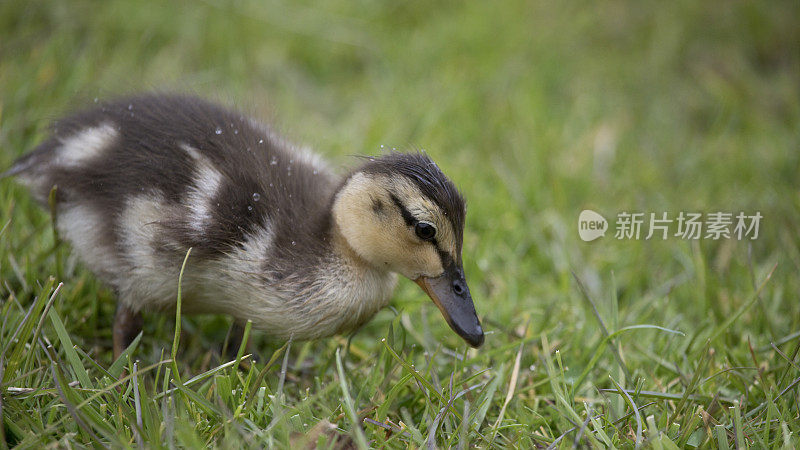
{"x":399,"y":212}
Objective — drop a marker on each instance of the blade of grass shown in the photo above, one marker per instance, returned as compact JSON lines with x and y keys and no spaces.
{"x":284,"y":367}
{"x":580,"y":432}
{"x":360,"y":438}
{"x":689,"y":428}
{"x":35,"y":336}
{"x":71,"y":409}
{"x":554,"y":376}
{"x":743,"y":308}
{"x":69,"y":350}
{"x":137,"y":403}
{"x":397,"y":387}
{"x":260,"y":378}
{"x":23,"y":331}
{"x":462,"y":437}
{"x":512,"y":385}
{"x":245,"y":337}
{"x":655,"y":435}
{"x":598,"y":428}
{"x":790,"y":361}
{"x":197,"y":399}
{"x":92,"y":363}
{"x":277,"y":404}
{"x":601,"y":346}
{"x":722,"y":437}
{"x":411,"y":370}
{"x":788,"y":338}
{"x":696,"y":377}
{"x":177,"y":337}
{"x":52,"y":427}
{"x":69,"y":398}
{"x":633,"y":407}
{"x":673,"y":397}
{"x":5,"y":227}
{"x":3,"y":442}
{"x":613,"y":346}
{"x":434,"y":427}
{"x":119,"y":365}
{"x":484,"y":401}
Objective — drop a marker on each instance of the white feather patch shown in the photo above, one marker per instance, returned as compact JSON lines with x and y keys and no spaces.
{"x":147,"y":280}
{"x":203,"y":190}
{"x":312,"y":158}
{"x":86,"y":145}
{"x":80,"y":225}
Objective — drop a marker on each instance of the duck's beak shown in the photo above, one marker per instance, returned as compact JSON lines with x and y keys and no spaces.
{"x":450,"y":293}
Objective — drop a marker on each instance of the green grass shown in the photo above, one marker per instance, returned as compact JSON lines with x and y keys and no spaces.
{"x":537,"y":110}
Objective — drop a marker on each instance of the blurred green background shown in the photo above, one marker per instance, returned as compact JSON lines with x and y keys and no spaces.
{"x":536,"y":109}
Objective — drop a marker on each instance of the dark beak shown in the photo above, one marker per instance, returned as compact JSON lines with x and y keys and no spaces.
{"x":450,"y":293}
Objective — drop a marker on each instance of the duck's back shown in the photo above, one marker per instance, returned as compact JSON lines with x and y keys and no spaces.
{"x":140,"y":181}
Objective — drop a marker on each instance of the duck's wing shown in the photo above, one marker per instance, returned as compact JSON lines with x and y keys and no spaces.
{"x":217,"y":176}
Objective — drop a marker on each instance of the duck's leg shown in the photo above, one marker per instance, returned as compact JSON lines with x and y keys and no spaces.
{"x":127,"y":325}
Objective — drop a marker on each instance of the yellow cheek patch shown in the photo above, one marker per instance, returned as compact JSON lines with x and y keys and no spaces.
{"x":375,"y":228}
{"x":422,"y":208}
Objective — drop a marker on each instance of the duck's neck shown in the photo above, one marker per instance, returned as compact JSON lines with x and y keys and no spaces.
{"x":345,"y":252}
{"x":353,"y":289}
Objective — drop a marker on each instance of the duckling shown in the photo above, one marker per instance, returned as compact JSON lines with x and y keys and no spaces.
{"x":275,"y":236}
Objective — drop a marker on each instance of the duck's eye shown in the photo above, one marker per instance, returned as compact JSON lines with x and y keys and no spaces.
{"x":425,"y":230}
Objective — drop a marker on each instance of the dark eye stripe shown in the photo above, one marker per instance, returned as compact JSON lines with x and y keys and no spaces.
{"x":407,"y":216}
{"x":411,"y":220}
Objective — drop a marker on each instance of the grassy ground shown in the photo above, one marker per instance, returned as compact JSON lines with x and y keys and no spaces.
{"x":538,"y":110}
